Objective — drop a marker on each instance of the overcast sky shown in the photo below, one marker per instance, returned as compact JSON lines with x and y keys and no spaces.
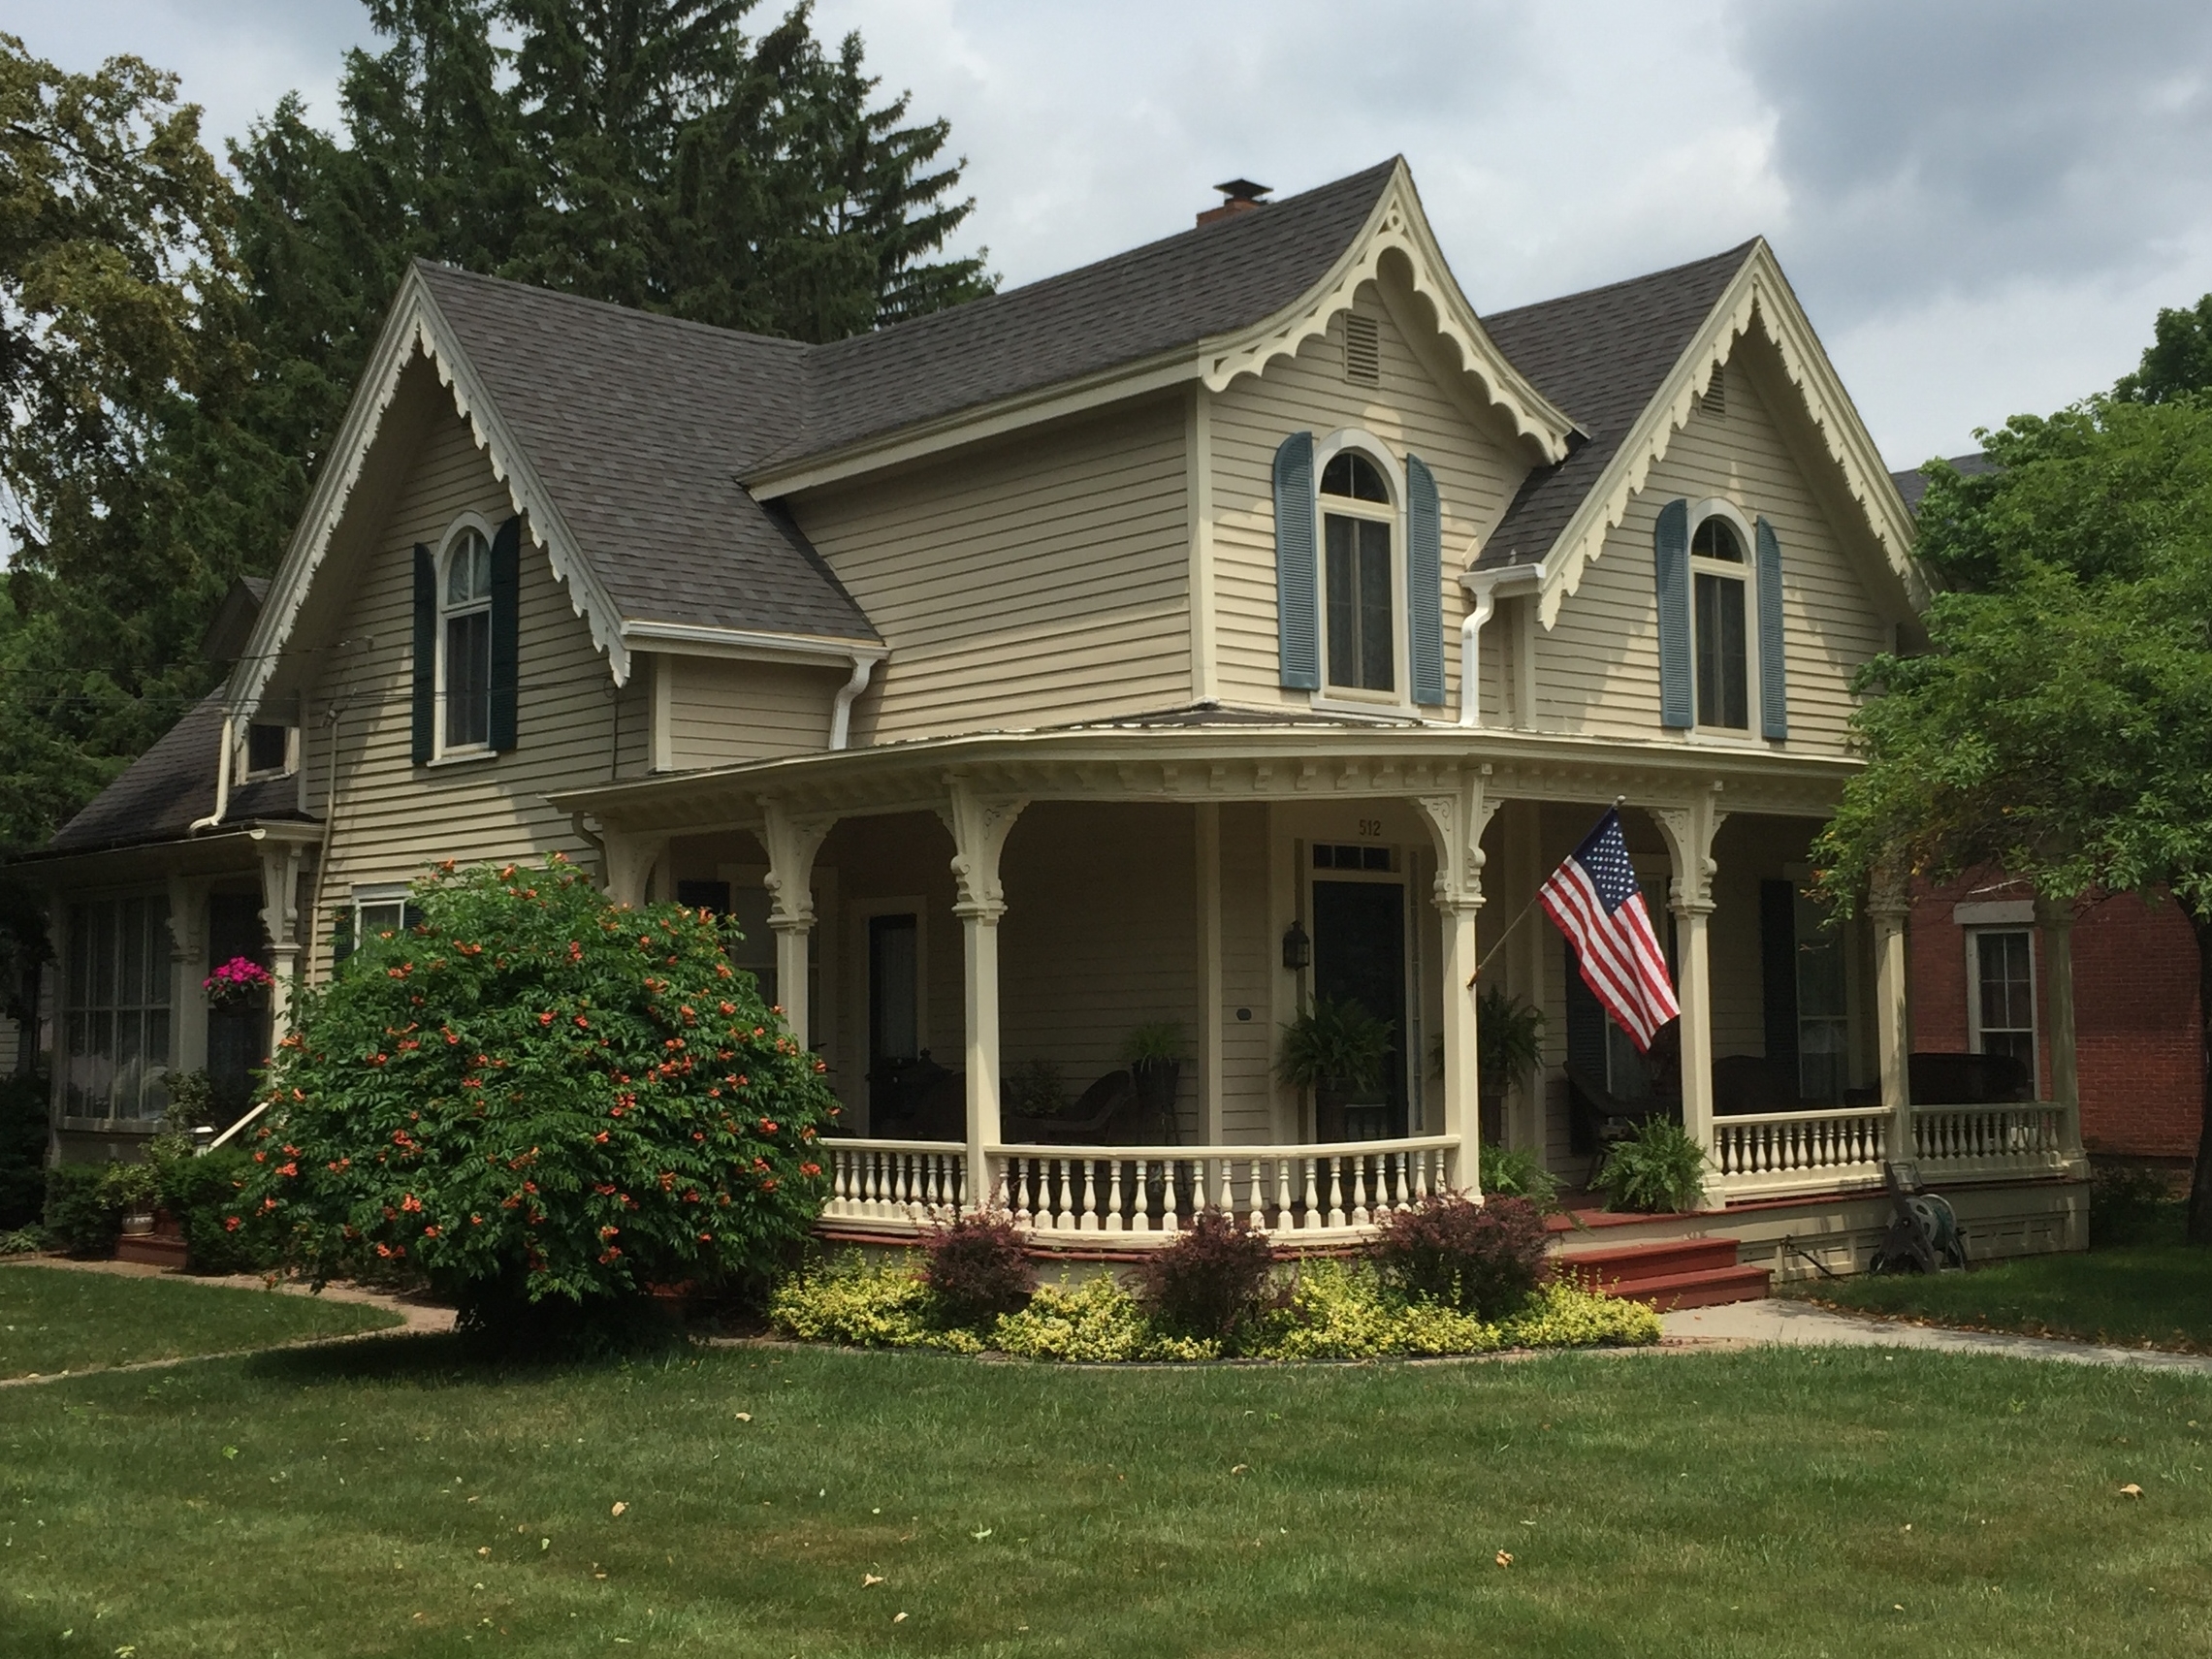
{"x":1982,"y":205}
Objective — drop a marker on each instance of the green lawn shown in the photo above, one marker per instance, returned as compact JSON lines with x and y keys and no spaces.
{"x":2157,"y":1294}
{"x":390,"y":1499}
{"x":61,"y":1319}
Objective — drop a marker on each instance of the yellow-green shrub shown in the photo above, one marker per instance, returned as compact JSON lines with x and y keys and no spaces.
{"x":866,"y":1307}
{"x":1564,"y":1315}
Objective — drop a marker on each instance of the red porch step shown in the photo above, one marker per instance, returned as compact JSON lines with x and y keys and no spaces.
{"x":151,"y":1249}
{"x":1679,"y":1273}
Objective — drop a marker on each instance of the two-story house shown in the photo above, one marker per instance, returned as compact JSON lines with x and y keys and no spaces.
{"x":1238,"y":620}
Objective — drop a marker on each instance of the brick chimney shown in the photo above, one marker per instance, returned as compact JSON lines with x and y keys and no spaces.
{"x":1237,"y":196}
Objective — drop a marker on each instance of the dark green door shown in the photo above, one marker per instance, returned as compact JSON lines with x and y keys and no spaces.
{"x":1358,"y":956}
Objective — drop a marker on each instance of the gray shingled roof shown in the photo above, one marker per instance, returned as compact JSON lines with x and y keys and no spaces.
{"x":1913,"y":483}
{"x":165,"y":791}
{"x":641,"y":425}
{"x":638,"y":426}
{"x":1601,"y":355}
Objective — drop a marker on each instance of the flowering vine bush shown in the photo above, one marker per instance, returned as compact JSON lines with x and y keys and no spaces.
{"x":536,"y":1095}
{"x":235,"y":980}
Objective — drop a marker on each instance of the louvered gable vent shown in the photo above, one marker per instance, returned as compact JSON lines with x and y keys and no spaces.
{"x":1362,"y":351}
{"x":1715,"y":399}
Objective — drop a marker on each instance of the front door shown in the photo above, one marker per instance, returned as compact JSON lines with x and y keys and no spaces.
{"x":1358,"y":956}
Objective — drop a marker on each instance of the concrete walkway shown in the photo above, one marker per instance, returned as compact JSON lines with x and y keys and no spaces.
{"x":1778,"y":1319}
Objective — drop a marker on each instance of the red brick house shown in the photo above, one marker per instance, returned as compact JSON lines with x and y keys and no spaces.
{"x":1978,"y":988}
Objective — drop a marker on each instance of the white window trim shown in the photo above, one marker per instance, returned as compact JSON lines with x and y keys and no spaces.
{"x":1748,"y":735}
{"x":441,"y":749}
{"x":256,"y":774}
{"x":1352,"y":699}
{"x":368,"y":893}
{"x":1973,"y":937}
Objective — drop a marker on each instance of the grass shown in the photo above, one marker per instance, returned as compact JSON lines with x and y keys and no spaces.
{"x":61,"y":1319}
{"x":2153,"y":1295}
{"x":392,"y":1499}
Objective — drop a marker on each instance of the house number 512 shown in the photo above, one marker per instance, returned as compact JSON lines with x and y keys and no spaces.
{"x":1371,"y":828}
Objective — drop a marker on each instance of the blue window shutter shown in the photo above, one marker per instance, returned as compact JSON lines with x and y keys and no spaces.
{"x":506,"y":630}
{"x":1424,"y":583}
{"x":425,"y":723}
{"x":1670,"y":543}
{"x":1774,"y":675}
{"x":1298,"y":614}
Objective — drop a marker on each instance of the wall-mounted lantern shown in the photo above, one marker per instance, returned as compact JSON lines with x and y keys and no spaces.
{"x":1298,"y":949}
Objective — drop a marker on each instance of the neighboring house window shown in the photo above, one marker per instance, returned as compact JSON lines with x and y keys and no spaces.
{"x":1357,"y":574}
{"x":1718,"y":573}
{"x":464,"y":643}
{"x":2001,"y":1005}
{"x":118,"y":1012}
{"x":268,"y":748}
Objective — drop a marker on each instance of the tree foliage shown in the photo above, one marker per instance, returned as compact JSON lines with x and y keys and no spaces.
{"x":176,"y":350}
{"x":2178,"y":361}
{"x":536,"y":1095}
{"x":2060,"y":726}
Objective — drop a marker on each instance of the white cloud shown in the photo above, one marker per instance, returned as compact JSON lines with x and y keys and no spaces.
{"x":1983,"y":202}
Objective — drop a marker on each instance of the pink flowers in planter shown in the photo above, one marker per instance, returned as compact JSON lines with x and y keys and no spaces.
{"x":234,"y":981}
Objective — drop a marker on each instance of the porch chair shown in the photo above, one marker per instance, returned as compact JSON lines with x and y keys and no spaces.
{"x":1600,"y":1120}
{"x":1099,"y":1113}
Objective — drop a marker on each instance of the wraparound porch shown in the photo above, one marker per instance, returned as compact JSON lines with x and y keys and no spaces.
{"x":1073,"y":885}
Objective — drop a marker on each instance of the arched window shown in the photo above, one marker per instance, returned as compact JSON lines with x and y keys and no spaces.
{"x":465,"y":641}
{"x":1719,"y":574}
{"x":1357,"y":573}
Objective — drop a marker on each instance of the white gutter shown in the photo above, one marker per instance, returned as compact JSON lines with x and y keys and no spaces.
{"x":841,"y":711}
{"x":222,"y":778}
{"x":1484,"y":585}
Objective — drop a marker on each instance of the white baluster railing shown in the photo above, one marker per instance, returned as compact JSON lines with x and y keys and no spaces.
{"x":2010,"y":1137}
{"x":893,"y":1186}
{"x":1771,"y":1154}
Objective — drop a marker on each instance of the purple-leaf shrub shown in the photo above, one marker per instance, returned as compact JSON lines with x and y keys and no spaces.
{"x":1483,"y":1259}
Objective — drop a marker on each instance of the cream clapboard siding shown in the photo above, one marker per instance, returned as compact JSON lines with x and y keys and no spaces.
{"x":393,"y":818}
{"x":1249,"y":952}
{"x":721,"y":712}
{"x":1476,"y":476}
{"x":1598,"y":667}
{"x":1032,"y":582}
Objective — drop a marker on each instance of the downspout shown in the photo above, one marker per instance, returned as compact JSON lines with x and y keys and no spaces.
{"x":222,"y":778}
{"x":841,"y":711}
{"x":1471,"y":657}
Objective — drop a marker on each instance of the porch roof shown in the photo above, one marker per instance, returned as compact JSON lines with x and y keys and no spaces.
{"x":1230,"y":756}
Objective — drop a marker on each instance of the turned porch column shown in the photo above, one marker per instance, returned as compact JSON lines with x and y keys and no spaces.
{"x":791,"y":843}
{"x":980,"y":828}
{"x":1689,"y":832}
{"x":1456,"y":820}
{"x":281,"y":863}
{"x":1890,"y":908}
{"x":2056,"y":918}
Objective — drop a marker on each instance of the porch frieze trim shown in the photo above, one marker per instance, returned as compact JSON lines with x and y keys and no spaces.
{"x":1269,"y":765}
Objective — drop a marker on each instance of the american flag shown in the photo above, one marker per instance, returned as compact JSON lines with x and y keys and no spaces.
{"x":1594,"y":900}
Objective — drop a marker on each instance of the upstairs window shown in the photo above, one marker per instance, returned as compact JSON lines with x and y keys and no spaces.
{"x":1357,"y":574}
{"x":464,"y":643}
{"x":268,"y":748}
{"x":1718,"y":572}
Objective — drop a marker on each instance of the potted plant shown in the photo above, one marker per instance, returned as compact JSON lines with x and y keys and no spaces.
{"x":1508,"y":1044}
{"x":1154,"y":1053}
{"x":1338,"y":1049}
{"x":237,"y":983}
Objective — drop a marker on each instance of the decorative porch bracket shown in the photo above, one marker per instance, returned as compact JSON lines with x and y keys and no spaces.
{"x":979,"y":829}
{"x":629,"y":862}
{"x":1689,"y":831}
{"x":1889,"y":906}
{"x":1456,"y":820}
{"x":791,"y":844}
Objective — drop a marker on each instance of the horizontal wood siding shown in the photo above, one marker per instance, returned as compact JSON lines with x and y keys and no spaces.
{"x":1476,"y":476}
{"x":1025,"y":583}
{"x":721,"y":712}
{"x":1598,"y":667}
{"x":1248,"y":956}
{"x":395,"y":818}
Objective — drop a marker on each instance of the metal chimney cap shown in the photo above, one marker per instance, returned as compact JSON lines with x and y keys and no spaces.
{"x":1244,"y":190}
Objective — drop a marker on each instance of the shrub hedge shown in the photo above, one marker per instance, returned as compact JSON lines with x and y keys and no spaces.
{"x":537,"y":1096}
